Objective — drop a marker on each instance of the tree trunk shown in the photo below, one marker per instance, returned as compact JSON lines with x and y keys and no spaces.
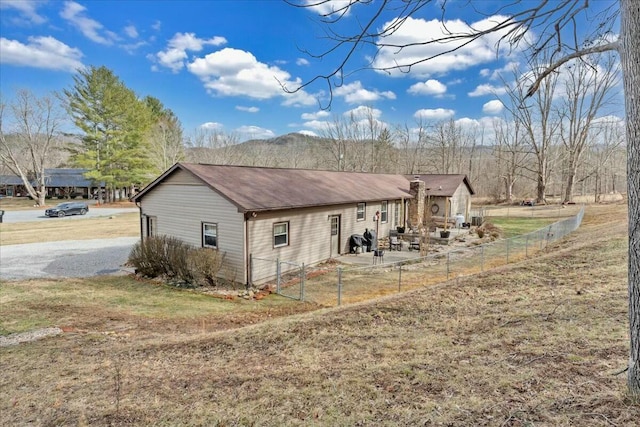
{"x":573,"y":171}
{"x":630,"y":62}
{"x":541,"y":188}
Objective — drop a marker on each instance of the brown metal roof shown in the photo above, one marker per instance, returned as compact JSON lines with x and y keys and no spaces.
{"x":261,"y":189}
{"x":443,"y":185}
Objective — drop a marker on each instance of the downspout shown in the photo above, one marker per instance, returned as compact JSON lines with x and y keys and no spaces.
{"x":247,"y":259}
{"x":141,"y":223}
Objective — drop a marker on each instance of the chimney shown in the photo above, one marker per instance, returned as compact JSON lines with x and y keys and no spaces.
{"x":416,"y":205}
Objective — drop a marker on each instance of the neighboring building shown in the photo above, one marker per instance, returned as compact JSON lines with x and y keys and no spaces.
{"x":296,"y":215}
{"x":59,"y":182}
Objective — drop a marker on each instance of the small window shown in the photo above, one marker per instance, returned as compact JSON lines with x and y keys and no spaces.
{"x":383,"y":212}
{"x":361,"y":212}
{"x":280,"y":234}
{"x":209,"y":235}
{"x":151,"y":226}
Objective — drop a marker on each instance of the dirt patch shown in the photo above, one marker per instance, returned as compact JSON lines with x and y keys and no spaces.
{"x":36,"y":334}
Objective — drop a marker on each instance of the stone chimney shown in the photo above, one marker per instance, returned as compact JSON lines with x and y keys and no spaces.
{"x":416,"y":205}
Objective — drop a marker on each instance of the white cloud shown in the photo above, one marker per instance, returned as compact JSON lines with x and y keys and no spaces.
{"x":354,"y":93}
{"x":430,"y":87}
{"x":234,"y":72}
{"x":500,"y":73}
{"x":434,"y":114}
{"x":74,"y":13}
{"x":302,"y":62}
{"x":320,"y":125}
{"x":488,"y":89}
{"x":27,"y":9}
{"x":174,"y":56}
{"x":307,"y":132}
{"x":335,"y":8}
{"x":211,"y":126}
{"x":417,"y":31}
{"x":363,"y":112}
{"x":493,"y":107}
{"x":41,"y":52}
{"x":313,"y":116}
{"x":157,"y":25}
{"x":247,"y":109}
{"x":255,"y":132}
{"x":131,"y":31}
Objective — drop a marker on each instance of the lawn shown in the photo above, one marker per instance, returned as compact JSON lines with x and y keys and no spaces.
{"x":517,"y":226}
{"x":120,"y":225}
{"x":536,"y":343}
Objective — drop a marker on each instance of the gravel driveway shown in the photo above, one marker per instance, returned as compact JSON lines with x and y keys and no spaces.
{"x":69,"y":258}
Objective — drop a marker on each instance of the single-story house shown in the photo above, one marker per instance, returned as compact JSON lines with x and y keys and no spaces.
{"x":296,"y":215}
{"x":59,"y":182}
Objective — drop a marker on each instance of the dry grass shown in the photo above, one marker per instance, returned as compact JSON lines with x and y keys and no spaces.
{"x":121,"y":225}
{"x":531,"y":344}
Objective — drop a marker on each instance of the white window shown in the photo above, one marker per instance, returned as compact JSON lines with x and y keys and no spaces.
{"x":280,"y":234}
{"x":209,"y":235}
{"x":361,"y":212}
{"x":151,"y":226}
{"x":383,"y":212}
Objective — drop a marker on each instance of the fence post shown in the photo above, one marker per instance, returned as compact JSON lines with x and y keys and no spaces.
{"x":508,"y":250}
{"x":526,"y":246}
{"x":448,"y":253}
{"x":339,"y":285}
{"x":399,"y":277}
{"x":302,"y":277}
{"x":250,"y":278}
{"x":278,"y":275}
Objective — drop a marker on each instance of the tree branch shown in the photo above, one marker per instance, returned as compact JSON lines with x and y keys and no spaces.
{"x":551,"y":68}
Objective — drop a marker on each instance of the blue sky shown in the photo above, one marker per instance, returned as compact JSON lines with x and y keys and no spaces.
{"x":215,"y":63}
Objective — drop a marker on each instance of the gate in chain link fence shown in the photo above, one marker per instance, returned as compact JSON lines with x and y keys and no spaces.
{"x":286,"y":277}
{"x":329,"y":286}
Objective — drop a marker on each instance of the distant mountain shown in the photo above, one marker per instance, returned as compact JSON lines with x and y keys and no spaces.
{"x":290,"y":139}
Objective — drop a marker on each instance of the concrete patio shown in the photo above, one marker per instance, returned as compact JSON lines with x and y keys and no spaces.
{"x":393,"y":256}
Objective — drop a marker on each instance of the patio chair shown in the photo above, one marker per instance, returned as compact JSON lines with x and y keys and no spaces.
{"x":395,"y":243}
{"x":414,"y":244}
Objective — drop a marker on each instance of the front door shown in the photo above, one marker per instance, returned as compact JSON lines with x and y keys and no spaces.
{"x":335,"y":235}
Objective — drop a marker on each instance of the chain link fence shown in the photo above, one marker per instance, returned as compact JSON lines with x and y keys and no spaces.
{"x":329,"y":285}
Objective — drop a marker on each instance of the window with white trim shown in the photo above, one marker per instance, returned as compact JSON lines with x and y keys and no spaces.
{"x":209,"y":235}
{"x":383,"y":211}
{"x":280,"y":234}
{"x":361,"y":212}
{"x":151,"y":226}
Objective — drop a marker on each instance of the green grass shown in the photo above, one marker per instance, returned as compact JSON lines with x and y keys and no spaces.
{"x":45,"y":303}
{"x":514,"y":226}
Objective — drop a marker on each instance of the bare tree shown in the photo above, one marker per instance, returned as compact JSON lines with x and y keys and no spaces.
{"x":588,"y":88}
{"x":512,"y":22}
{"x":537,"y":119}
{"x":412,"y":144}
{"x":510,"y":152}
{"x":30,"y":146}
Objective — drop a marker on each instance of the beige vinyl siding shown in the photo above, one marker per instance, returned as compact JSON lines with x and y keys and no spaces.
{"x":309,"y":235}
{"x":461,"y":202}
{"x":181,"y":204}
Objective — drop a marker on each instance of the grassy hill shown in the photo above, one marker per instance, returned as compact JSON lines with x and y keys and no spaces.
{"x":536,"y":343}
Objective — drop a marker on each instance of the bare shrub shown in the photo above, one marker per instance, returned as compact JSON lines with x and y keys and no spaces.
{"x":149,"y":256}
{"x":205,"y":264}
{"x":180,"y":263}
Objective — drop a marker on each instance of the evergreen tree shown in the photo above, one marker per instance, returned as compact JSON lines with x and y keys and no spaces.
{"x":114,"y":122}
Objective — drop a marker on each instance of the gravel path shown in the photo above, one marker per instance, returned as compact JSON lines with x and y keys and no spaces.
{"x":69,"y":258}
{"x":36,"y":334}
